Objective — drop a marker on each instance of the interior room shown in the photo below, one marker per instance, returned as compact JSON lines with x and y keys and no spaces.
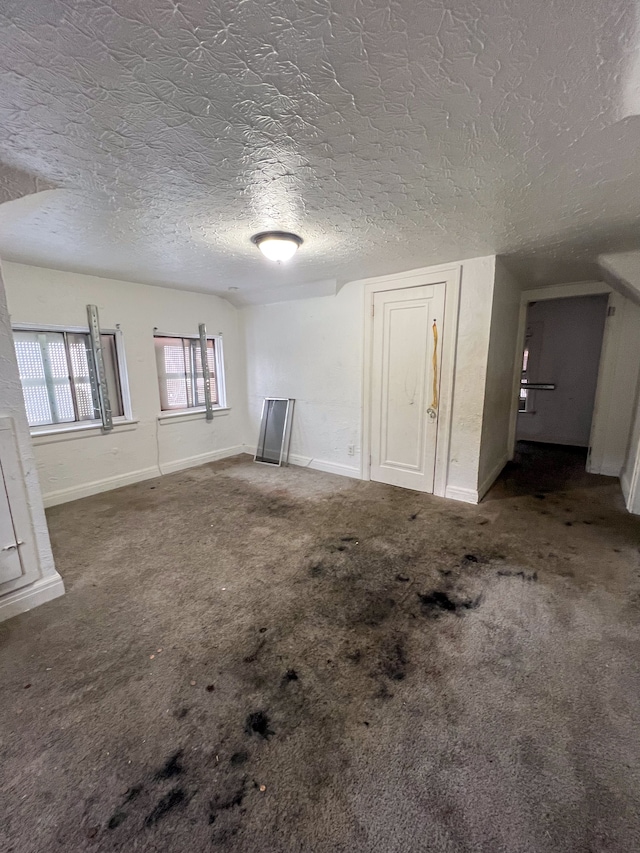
{"x":319,"y":426}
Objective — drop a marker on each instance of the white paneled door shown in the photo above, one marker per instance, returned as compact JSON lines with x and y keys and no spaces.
{"x":405,"y":380}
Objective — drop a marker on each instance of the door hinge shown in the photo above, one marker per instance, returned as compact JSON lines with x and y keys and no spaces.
{"x":373,"y":309}
{"x":611,"y":310}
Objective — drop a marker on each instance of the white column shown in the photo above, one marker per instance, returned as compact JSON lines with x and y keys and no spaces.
{"x":44,"y":582}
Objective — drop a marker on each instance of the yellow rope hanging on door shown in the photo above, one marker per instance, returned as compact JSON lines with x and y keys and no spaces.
{"x":434,"y":404}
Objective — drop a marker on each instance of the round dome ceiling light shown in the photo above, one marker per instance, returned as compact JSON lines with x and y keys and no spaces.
{"x":278,"y":246}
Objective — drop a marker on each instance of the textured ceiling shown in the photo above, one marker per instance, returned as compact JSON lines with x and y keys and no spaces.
{"x":389,"y":135}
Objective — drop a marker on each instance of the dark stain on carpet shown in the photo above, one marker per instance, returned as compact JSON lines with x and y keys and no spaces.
{"x":133,"y":793}
{"x":219,"y":804}
{"x":172,"y":767}
{"x":258,"y":723}
{"x":253,"y":657}
{"x":116,"y":819}
{"x":394,"y":663}
{"x":526,"y":576}
{"x":439,"y":601}
{"x":176,"y":797}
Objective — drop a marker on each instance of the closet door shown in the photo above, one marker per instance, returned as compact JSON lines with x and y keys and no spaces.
{"x":405,"y":385}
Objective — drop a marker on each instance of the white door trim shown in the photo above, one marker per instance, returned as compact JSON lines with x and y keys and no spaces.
{"x":603,"y":388}
{"x":631,"y":483}
{"x":450,"y":276}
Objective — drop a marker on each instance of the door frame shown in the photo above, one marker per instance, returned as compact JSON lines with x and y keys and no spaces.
{"x":449,"y":275}
{"x":596,"y":462}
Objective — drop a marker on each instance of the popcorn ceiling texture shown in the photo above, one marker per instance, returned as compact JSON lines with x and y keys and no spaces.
{"x":388,"y":135}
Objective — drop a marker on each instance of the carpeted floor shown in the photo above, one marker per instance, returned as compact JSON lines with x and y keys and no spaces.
{"x":269,"y":661}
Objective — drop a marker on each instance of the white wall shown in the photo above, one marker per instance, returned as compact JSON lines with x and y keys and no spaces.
{"x":622,"y":271}
{"x":498,"y":399}
{"x":74,"y":465}
{"x":48,"y":583}
{"x":567,"y":353}
{"x":615,"y":398}
{"x":312,"y":350}
{"x":630,"y":477}
{"x":472,"y":351}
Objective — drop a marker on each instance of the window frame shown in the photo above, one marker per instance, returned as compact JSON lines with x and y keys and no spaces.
{"x":123,"y":377}
{"x":218,"y":354}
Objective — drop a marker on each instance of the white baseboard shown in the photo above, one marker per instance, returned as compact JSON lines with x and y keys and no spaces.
{"x":469,"y":496}
{"x":550,"y":439}
{"x":625,"y":485}
{"x":74,"y":493}
{"x":328,"y":467}
{"x":202,"y":459}
{"x":628,"y":484}
{"x":606,"y":470}
{"x":31,"y":596}
{"x":490,"y":479}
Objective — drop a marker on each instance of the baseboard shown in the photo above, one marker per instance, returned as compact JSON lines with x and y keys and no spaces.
{"x":565,"y":442}
{"x":327,"y":467}
{"x":31,"y":596}
{"x":74,"y":493}
{"x":202,"y":459}
{"x":490,"y":479}
{"x":606,"y":471}
{"x":469,"y":496}
{"x":628,"y":484}
{"x":625,"y":485}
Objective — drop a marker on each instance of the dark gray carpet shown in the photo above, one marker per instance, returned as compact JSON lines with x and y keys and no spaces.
{"x":270,"y":660}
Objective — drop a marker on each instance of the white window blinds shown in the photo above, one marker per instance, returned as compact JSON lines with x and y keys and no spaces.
{"x":56,"y":380}
{"x":180,"y":377}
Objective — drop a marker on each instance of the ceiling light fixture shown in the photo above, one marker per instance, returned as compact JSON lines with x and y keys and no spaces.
{"x":278,"y":246}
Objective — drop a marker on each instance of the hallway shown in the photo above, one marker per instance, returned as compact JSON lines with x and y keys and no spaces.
{"x":540,"y":468}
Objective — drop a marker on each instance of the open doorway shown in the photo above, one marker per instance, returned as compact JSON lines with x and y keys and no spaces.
{"x":560,"y":367}
{"x":563,"y":342}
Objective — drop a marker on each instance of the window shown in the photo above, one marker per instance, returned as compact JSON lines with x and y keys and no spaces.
{"x":180,"y":377}
{"x":57,"y":377}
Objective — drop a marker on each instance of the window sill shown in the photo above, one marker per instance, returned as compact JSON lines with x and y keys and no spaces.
{"x":190,"y":414}
{"x":47,"y":435}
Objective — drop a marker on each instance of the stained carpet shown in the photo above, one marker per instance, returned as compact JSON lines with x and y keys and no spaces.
{"x":262,"y":660}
